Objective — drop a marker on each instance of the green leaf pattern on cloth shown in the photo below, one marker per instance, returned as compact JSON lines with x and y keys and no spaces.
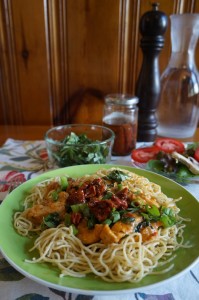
{"x":32,"y":297}
{"x":24,"y":156}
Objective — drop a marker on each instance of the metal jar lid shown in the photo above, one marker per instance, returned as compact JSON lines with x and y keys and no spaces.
{"x":121,"y":99}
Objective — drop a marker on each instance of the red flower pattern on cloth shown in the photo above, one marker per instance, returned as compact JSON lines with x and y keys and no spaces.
{"x":43,"y":154}
{"x":11,"y":176}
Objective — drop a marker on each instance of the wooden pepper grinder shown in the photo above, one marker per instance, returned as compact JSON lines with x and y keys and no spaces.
{"x":153,"y":25}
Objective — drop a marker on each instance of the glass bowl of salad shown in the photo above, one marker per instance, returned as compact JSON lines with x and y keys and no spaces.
{"x":78,"y":144}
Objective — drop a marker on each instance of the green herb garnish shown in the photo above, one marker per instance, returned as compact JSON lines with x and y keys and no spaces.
{"x":108,"y":222}
{"x":91,"y":222}
{"x":64,"y":183}
{"x":153,"y":210}
{"x":115,"y":216}
{"x":55,"y":195}
{"x":167,"y":217}
{"x":52,"y":220}
{"x":75,"y":230}
{"x":126,"y":219}
{"x":79,"y":149}
{"x":164,"y":214}
{"x":117,"y":176}
{"x":67,"y":219}
{"x":82,"y":207}
{"x":108,"y":195}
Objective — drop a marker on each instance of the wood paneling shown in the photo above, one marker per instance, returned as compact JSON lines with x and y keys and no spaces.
{"x":24,"y":69}
{"x":59,"y":58}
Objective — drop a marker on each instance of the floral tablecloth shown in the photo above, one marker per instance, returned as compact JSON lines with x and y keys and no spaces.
{"x":22,"y":160}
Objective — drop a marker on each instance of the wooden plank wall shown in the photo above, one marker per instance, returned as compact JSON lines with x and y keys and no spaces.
{"x":58,"y":58}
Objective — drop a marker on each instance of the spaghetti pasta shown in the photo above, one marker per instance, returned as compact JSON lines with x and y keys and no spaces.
{"x":114,"y":224}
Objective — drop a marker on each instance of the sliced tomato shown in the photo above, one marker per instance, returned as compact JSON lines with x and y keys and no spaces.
{"x":143,"y":155}
{"x":196,"y":154}
{"x":169,"y":145}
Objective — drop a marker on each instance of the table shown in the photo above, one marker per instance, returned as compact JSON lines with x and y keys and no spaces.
{"x":13,"y":285}
{"x":22,"y":132}
{"x":37,"y":133}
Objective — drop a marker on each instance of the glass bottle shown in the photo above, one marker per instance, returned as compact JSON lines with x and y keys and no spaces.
{"x":121,"y":115}
{"x":178,"y":110}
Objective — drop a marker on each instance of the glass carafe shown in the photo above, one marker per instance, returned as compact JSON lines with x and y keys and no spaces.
{"x":178,"y":110}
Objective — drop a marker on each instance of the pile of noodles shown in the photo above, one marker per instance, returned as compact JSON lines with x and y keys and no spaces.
{"x":129,"y":260}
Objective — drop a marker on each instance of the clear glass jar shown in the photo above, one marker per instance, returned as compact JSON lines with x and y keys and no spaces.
{"x":121,"y":115}
{"x":178,"y":109}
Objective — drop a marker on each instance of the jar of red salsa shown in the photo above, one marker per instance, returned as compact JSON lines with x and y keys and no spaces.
{"x":121,"y":115}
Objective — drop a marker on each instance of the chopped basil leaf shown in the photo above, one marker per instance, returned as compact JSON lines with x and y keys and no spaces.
{"x":67,"y":219}
{"x":126,"y":219}
{"x":167,"y":221}
{"x":91,"y":222}
{"x":117,"y":176}
{"x":146,"y":216}
{"x":115,"y":216}
{"x":142,"y":225}
{"x":55,"y":195}
{"x":130,"y":209}
{"x":85,"y":210}
{"x":167,"y":217}
{"x":108,"y":195}
{"x":52,"y":220}
{"x":107,"y":221}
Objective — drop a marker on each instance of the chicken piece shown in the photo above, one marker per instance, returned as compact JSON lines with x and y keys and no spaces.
{"x":36,"y":213}
{"x":108,"y":236}
{"x":89,"y":236}
{"x":53,"y":186}
{"x":150,"y":232}
{"x":137,"y":218}
{"x":120,"y":229}
{"x":114,"y":234}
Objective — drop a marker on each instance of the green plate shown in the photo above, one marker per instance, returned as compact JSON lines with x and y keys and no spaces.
{"x":15,"y":247}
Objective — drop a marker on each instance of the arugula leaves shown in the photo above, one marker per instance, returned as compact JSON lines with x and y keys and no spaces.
{"x":79,"y":149}
{"x":179,"y":173}
{"x":168,"y":166}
